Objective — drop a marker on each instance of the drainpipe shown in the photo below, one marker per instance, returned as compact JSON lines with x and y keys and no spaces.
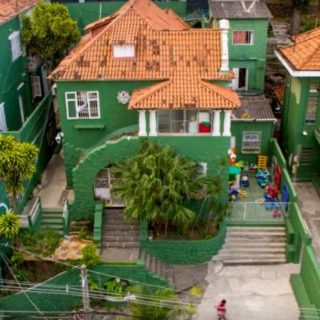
{"x":224,"y":26}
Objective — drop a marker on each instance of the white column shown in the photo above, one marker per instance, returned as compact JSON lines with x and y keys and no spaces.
{"x":153,"y":123}
{"x":227,"y":123}
{"x":224,"y":26}
{"x":142,"y":123}
{"x":216,"y":124}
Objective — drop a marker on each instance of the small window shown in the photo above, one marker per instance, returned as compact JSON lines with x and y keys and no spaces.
{"x":311,"y":112}
{"x":242,"y":37}
{"x":240,"y":82}
{"x":251,"y":142}
{"x":36,"y":86}
{"x":314,"y":87}
{"x":124,"y":51}
{"x":16,"y":49}
{"x":305,"y":156}
{"x":82,"y":104}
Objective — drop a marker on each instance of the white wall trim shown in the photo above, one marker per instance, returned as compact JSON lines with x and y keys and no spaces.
{"x":295,"y":73}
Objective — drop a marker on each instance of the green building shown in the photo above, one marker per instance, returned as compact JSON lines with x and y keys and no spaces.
{"x":25,"y":101}
{"x":146,"y":73}
{"x":301,"y":116}
{"x":247,"y":40}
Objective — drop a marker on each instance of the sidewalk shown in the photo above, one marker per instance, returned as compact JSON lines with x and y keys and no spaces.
{"x":309,"y":203}
{"x":252,"y":292}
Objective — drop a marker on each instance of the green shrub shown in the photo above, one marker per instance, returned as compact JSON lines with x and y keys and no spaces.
{"x":90,"y":257}
{"x":42,"y":243}
{"x":116,"y":285}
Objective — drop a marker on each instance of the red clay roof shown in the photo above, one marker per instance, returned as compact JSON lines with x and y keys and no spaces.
{"x":166,"y":48}
{"x":11,"y":8}
{"x":182,"y":93}
{"x":304,"y":53}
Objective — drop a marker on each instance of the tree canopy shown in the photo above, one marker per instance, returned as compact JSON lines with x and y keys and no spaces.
{"x":156,"y":183}
{"x":49,"y":32}
{"x":17,"y":165}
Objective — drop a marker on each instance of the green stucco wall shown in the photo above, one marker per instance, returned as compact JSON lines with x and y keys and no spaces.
{"x":252,"y":57}
{"x":85,"y":13}
{"x":12,"y":74}
{"x":293,"y":126}
{"x":200,"y":149}
{"x":266,"y":129}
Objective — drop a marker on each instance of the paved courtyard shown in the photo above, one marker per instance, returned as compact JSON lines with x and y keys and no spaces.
{"x":252,"y":292}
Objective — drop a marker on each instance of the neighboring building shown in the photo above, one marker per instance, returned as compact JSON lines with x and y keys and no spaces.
{"x":247,"y":40}
{"x":301,"y":116}
{"x":144,"y":72}
{"x":24,"y":98}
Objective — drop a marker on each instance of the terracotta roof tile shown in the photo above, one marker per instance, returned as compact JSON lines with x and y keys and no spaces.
{"x":182,"y":93}
{"x":304,"y":53}
{"x":11,"y":8}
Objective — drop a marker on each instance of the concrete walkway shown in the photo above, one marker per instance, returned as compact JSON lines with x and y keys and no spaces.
{"x":252,"y":292}
{"x":309,"y":203}
{"x":53,"y":184}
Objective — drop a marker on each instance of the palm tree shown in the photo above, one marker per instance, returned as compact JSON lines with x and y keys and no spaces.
{"x":155,"y":185}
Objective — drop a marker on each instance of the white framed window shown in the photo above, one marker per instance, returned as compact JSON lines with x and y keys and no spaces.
{"x":251,"y":142}
{"x":3,"y":122}
{"x":243,"y":37}
{"x":16,"y":48}
{"x":311,"y":112}
{"x":123,"y":51}
{"x":36,"y":86}
{"x":82,"y":105}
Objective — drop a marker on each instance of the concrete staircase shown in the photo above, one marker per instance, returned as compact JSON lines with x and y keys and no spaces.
{"x":52,"y":219}
{"x":117,"y":233}
{"x":157,"y":266}
{"x":253,"y":246}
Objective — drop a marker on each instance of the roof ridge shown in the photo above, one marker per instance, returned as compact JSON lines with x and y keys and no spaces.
{"x":219,"y":89}
{"x":152,"y":89}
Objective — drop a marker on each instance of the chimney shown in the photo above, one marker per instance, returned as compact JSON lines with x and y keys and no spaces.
{"x":224,"y":27}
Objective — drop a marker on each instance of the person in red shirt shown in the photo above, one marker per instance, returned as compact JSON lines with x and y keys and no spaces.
{"x":221,"y":309}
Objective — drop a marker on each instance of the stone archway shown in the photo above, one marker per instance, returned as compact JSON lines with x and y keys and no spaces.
{"x":95,"y":160}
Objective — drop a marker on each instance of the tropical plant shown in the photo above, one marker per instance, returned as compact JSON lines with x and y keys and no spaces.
{"x":116,"y":286}
{"x":49,"y":32}
{"x":17,"y":165}
{"x":90,"y":257}
{"x":9,"y":225}
{"x":158,"y":309}
{"x":42,"y":243}
{"x":156,"y":183}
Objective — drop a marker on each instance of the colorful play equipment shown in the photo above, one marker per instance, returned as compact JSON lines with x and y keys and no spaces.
{"x":262,"y":162}
{"x":263,"y":177}
{"x":244,"y":180}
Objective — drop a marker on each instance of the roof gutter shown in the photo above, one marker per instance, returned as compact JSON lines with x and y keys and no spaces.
{"x":295,"y":73}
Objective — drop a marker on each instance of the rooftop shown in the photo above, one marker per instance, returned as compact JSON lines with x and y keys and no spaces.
{"x":227,"y":9}
{"x":11,"y":8}
{"x":304,"y":53}
{"x":254,"y":107}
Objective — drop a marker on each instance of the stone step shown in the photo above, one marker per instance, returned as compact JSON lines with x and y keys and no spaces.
{"x":256,"y":229}
{"x":254,"y":250}
{"x":124,"y":238}
{"x":249,"y":244}
{"x":118,"y":220}
{"x":52,"y":220}
{"x":120,"y":227}
{"x":255,"y":234}
{"x":51,"y":226}
{"x":131,"y":233}
{"x":253,"y":261}
{"x":116,"y":244}
{"x":250,"y":255}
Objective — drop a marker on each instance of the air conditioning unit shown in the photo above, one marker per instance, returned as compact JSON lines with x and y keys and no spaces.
{"x":54,"y":89}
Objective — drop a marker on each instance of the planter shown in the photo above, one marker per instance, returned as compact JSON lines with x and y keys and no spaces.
{"x":203,"y":127}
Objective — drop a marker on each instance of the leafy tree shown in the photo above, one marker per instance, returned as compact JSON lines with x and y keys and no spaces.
{"x":9,"y":225}
{"x":90,"y":257}
{"x":49,"y":32}
{"x":155,"y":185}
{"x":17,"y":165}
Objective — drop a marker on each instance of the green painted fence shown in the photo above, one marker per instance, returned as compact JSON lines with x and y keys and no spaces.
{"x":182,"y":252}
